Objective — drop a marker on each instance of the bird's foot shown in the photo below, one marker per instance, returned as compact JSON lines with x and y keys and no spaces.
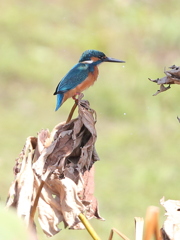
{"x":74,"y":97}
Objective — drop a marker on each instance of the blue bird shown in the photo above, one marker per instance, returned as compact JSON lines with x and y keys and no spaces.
{"x":81,"y":76}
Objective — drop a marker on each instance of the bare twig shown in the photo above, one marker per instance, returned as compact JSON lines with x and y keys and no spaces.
{"x":72,"y":111}
{"x":118,"y":232}
{"x":34,"y":206}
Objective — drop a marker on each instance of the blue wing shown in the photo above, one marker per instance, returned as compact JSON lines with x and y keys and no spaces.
{"x":73,"y":78}
{"x":59,"y":100}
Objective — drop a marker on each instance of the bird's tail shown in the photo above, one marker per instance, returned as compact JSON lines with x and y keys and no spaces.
{"x":59,"y":100}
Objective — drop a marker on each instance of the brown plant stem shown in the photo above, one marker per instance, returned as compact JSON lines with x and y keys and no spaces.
{"x":72,"y":111}
{"x":33,"y":208}
{"x":118,"y":232}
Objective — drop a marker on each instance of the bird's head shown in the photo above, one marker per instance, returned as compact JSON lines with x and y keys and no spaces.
{"x":91,"y":56}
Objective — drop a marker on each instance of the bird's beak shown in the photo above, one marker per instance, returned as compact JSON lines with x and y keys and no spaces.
{"x":108,"y":59}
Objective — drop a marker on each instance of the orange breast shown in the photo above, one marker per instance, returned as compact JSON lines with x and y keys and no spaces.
{"x":89,"y":81}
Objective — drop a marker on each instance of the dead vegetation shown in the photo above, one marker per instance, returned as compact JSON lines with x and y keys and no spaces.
{"x":54,"y":174}
{"x":172,"y":77}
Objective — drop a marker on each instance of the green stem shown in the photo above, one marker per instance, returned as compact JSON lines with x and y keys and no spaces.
{"x":88,"y":227}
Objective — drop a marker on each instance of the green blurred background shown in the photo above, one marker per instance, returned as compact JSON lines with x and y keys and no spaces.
{"x":138,"y":134}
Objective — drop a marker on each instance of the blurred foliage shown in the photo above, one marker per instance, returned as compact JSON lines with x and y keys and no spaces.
{"x":11,"y":227}
{"x":137,"y":133}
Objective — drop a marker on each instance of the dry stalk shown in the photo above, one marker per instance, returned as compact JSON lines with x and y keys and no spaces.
{"x":152,"y":223}
{"x":72,"y":111}
{"x":139,"y":224}
{"x":114,"y":230}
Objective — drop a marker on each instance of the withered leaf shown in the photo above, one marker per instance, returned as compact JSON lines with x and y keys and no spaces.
{"x":172,"y":77}
{"x":63,"y":161}
{"x":162,"y":89}
{"x":21,"y":190}
{"x":171,"y":226}
{"x":87,"y":194}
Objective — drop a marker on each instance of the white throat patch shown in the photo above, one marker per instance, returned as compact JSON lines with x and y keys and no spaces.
{"x":88,"y":61}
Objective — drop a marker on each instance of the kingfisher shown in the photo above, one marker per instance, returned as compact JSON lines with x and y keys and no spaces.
{"x":81,"y":76}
